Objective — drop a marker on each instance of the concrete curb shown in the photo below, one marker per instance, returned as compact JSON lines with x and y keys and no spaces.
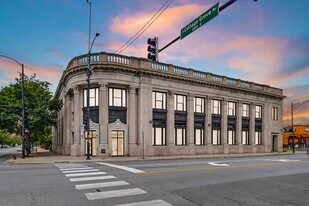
{"x":50,"y":159}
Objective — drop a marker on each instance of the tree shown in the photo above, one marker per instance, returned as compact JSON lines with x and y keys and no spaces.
{"x":4,"y":139}
{"x":41,"y":107}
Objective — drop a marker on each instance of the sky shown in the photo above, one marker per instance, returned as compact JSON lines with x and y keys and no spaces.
{"x":265,"y":41}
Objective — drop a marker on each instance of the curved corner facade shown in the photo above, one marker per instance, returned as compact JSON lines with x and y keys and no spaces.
{"x":139,"y":107}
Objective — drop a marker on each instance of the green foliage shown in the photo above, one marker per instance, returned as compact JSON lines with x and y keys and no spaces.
{"x":4,"y":139}
{"x":41,"y":108}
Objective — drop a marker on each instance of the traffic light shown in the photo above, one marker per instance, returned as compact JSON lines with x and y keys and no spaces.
{"x":153,"y":48}
{"x":85,"y":121}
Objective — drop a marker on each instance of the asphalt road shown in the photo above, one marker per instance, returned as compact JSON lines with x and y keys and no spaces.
{"x":272,"y":180}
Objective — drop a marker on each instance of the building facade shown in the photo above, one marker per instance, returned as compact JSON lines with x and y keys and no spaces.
{"x":141,"y":107}
{"x":301,"y":133}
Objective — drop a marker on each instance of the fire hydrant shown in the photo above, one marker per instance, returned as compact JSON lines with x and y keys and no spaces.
{"x":14,"y":156}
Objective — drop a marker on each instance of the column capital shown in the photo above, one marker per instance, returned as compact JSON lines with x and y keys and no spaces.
{"x":76,"y":90}
{"x":103,"y":85}
{"x":209,"y":98}
{"x":133,"y":88}
{"x":171,"y":93}
{"x":191,"y":96}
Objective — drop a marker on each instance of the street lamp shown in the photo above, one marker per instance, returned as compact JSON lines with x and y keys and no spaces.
{"x":89,"y":72}
{"x":22,"y":102}
{"x":293,"y":107}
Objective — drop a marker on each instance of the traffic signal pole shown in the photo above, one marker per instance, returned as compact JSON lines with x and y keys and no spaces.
{"x":221,"y":8}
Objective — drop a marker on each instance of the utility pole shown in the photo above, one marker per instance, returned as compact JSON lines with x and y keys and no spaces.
{"x":89,"y":72}
{"x":294,"y":107}
{"x":22,"y":104}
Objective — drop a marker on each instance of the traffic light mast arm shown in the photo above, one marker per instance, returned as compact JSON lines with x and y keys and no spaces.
{"x":221,"y":8}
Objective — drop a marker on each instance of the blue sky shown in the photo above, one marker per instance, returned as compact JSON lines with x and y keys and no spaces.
{"x":265,"y":41}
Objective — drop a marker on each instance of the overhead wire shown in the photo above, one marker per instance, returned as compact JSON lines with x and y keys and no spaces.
{"x":141,"y":31}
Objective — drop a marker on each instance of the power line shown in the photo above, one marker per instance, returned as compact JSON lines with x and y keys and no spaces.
{"x":164,"y":7}
{"x":142,"y":27}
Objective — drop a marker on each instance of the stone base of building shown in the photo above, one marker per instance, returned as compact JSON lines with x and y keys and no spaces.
{"x":102,"y":150}
{"x":75,"y":150}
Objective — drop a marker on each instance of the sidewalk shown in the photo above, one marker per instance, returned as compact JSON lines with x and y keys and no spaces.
{"x":45,"y":157}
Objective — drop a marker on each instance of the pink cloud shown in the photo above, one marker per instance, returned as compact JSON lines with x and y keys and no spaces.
{"x":12,"y":69}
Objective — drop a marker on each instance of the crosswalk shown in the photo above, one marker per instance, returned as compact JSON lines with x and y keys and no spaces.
{"x":87,"y":177}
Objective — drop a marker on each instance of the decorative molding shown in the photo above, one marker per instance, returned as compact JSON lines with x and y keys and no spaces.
{"x":117,"y":125}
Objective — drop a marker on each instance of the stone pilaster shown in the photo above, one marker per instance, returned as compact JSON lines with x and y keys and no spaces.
{"x":266,"y":122}
{"x":208,"y":129}
{"x":132,"y":120}
{"x":252,"y":128}
{"x":190,"y":124}
{"x":103,"y":119}
{"x":224,"y":126}
{"x":170,"y":130}
{"x":239,"y":127}
{"x":67,"y":124}
{"x":75,"y":148}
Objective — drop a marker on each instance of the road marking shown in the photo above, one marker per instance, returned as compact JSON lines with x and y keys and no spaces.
{"x":77,"y":168}
{"x":218,"y":164}
{"x":92,"y":178}
{"x":114,"y":193}
{"x":285,"y":160}
{"x":101,"y":184}
{"x":121,"y":167}
{"x":148,"y":203}
{"x":76,"y":171}
{"x":85,"y":174}
{"x":218,"y":168}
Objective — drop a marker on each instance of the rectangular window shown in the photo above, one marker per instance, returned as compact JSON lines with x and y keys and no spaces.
{"x":231,"y":108}
{"x":158,"y":136}
{"x":93,"y":97}
{"x":117,"y":97}
{"x":180,"y":136}
{"x":216,"y":106}
{"x":199,"y":105}
{"x":245,"y":137}
{"x":199,"y":137}
{"x":258,"y":138}
{"x":231,"y":137}
{"x":258,"y":112}
{"x":158,"y":100}
{"x":180,"y":102}
{"x":216,"y":137}
{"x":274,"y":113}
{"x":245,"y":110}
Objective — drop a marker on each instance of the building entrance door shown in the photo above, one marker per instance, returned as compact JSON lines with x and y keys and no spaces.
{"x":92,"y":143}
{"x":117,"y":142}
{"x":275,"y":143}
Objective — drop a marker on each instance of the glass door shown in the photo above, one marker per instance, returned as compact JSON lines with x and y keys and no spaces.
{"x":92,"y":143}
{"x":117,"y":143}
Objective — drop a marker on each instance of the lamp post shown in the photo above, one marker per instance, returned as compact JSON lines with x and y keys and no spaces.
{"x":293,"y":107}
{"x":89,"y":72}
{"x":22,"y":103}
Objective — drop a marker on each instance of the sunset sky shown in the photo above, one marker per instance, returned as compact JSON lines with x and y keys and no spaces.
{"x":265,"y":41}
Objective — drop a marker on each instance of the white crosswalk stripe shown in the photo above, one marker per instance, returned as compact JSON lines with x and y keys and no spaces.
{"x":76,"y":168}
{"x":148,"y":203}
{"x":76,"y":171}
{"x":100,"y":185}
{"x":82,"y":173}
{"x":92,"y":178}
{"x":85,"y":174}
{"x":114,"y":193}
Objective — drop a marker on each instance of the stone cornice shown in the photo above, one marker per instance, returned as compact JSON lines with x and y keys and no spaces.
{"x":142,"y":67}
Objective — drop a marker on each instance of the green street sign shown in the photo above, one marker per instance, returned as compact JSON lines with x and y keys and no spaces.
{"x":200,"y":21}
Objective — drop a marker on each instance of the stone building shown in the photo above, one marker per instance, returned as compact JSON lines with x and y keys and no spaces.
{"x":140,"y":106}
